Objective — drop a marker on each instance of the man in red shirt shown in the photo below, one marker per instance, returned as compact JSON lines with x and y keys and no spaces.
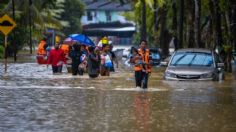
{"x":56,"y":59}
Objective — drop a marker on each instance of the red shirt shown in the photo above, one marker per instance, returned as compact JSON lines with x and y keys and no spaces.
{"x":55,"y":57}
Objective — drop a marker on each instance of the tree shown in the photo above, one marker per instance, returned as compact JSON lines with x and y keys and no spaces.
{"x":37,"y":12}
{"x":197,"y":32}
{"x":190,"y":23}
{"x":233,"y":22}
{"x":181,"y":24}
{"x":143,"y":23}
{"x":164,"y":34}
{"x":174,"y":23}
{"x":73,"y":11}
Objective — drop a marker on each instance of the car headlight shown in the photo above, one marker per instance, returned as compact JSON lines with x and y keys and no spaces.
{"x":207,"y":75}
{"x":169,"y":74}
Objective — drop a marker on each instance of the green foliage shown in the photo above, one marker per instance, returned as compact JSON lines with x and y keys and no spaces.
{"x":130,"y":16}
{"x":73,"y":11}
{"x":224,"y":5}
{"x":1,"y":51}
{"x":149,"y":18}
{"x":42,"y":16}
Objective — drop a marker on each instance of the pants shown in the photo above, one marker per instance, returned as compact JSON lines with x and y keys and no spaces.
{"x":138,"y":78}
{"x":141,"y":79}
{"x":56,"y":69}
{"x":104,"y":71}
{"x":75,"y":69}
{"x":144,"y":80}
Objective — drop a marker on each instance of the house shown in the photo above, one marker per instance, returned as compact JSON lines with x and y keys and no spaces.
{"x":102,"y":18}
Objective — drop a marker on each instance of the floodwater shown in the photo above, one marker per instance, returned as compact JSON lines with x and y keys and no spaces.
{"x":32,"y":99}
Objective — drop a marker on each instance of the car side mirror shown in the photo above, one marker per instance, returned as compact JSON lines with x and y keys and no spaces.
{"x":164,"y":63}
{"x":220,"y":65}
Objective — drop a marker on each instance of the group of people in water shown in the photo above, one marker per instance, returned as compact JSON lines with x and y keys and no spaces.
{"x":81,"y":58}
{"x":97,"y":60}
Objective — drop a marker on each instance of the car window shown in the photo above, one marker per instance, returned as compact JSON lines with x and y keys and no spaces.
{"x":156,"y":56}
{"x":192,"y":59}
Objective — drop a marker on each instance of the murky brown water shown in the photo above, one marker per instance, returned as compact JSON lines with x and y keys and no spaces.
{"x":32,"y":99}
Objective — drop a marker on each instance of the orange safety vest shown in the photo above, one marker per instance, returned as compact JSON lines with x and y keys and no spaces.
{"x":145,"y":58}
{"x":41,"y":50}
{"x":137,"y":67}
{"x":65,"y":48}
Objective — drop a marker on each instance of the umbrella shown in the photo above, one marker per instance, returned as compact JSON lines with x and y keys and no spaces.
{"x":68,"y":41}
{"x":82,"y":39}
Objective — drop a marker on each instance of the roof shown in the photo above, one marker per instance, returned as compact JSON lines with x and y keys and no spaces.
{"x":108,"y":5}
{"x":109,"y":24}
{"x":195,"y":50}
{"x":109,"y":29}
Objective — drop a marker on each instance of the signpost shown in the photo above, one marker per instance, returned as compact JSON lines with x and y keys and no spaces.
{"x":6,"y":26}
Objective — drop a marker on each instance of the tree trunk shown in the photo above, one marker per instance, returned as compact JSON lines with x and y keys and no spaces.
{"x":212,"y":18}
{"x":163,"y":33}
{"x":155,"y":16}
{"x":197,"y":32}
{"x":233,"y":23}
{"x":174,"y":23}
{"x":181,"y":24}
{"x":218,"y":25}
{"x":190,"y":23}
{"x":155,"y":22}
{"x":30,"y":27}
{"x":216,"y":19}
{"x":14,"y":33}
{"x":143,"y":26}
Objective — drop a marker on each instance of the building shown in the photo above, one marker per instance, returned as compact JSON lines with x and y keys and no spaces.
{"x":102,"y":18}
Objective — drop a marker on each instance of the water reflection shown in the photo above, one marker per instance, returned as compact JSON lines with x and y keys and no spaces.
{"x":32,"y":99}
{"x":142,"y":111}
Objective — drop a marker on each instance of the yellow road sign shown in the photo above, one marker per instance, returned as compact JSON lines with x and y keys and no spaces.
{"x":6,"y":24}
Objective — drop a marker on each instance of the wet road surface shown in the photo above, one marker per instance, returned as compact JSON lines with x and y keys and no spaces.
{"x":32,"y":99}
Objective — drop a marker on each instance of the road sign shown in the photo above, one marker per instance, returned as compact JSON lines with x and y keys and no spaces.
{"x":6,"y":24}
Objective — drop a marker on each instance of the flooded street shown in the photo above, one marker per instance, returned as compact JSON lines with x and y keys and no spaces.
{"x":32,"y":99}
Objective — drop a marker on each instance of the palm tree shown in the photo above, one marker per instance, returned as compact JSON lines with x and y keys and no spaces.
{"x":38,"y":12}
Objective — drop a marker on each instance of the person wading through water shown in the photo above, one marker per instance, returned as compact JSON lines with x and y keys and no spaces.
{"x":93,"y":63}
{"x":106,"y":62}
{"x":136,"y":60}
{"x":75,"y":55}
{"x":147,"y":61}
{"x":56,"y":59}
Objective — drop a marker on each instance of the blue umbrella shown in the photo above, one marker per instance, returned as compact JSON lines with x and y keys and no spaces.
{"x":82,"y":39}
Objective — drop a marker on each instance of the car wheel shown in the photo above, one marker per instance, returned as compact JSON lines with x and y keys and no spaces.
{"x":215,"y":77}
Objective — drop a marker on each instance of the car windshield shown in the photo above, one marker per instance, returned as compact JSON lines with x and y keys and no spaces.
{"x":155,"y":56}
{"x":192,"y":59}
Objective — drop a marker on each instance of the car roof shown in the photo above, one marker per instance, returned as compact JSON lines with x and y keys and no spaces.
{"x":195,"y":50}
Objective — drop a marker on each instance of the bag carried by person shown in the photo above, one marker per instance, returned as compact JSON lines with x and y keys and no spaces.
{"x":108,"y":62}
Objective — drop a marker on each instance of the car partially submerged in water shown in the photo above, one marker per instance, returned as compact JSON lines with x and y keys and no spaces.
{"x":194,"y":64}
